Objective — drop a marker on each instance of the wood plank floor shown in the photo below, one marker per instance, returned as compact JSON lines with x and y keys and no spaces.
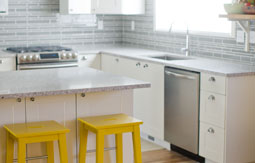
{"x":164,"y":156}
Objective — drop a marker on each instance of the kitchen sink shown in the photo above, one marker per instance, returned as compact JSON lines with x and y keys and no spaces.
{"x":170,"y":58}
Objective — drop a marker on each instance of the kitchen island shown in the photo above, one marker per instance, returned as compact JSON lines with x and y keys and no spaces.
{"x":64,"y":95}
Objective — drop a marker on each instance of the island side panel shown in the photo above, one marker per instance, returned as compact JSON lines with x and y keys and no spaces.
{"x":11,"y":111}
{"x":105,"y":103}
{"x":60,"y":108}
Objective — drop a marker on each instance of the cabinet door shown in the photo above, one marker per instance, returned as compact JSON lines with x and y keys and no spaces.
{"x":106,"y":6}
{"x":59,"y":108}
{"x":211,"y":143}
{"x":7,"y":64}
{"x":12,"y":111}
{"x":105,"y":103}
{"x":110,"y":64}
{"x":90,"y":60}
{"x":75,"y":6}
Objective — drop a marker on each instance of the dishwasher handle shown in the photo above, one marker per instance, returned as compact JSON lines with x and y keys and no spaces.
{"x":180,"y":75}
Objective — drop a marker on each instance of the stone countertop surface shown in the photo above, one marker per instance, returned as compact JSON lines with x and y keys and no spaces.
{"x":33,"y":83}
{"x":212,"y":66}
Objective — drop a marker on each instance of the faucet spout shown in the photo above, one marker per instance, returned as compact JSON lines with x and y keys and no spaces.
{"x":186,"y":49}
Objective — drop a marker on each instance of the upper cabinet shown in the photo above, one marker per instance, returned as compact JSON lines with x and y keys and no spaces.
{"x":3,"y":7}
{"x":124,"y":7}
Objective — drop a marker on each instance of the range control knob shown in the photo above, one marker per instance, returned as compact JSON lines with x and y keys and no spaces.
{"x":69,"y":55}
{"x":74,"y":55}
{"x":29,"y":58}
{"x":23,"y":58}
{"x":36,"y":57}
{"x":63,"y":55}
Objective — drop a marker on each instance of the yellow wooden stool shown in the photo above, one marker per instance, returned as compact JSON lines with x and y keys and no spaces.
{"x":36,"y":132}
{"x":107,"y":125}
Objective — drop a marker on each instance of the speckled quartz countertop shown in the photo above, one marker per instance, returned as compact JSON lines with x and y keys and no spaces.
{"x":62,"y":81}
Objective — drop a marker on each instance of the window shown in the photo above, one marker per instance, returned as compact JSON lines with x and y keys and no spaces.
{"x":196,"y":15}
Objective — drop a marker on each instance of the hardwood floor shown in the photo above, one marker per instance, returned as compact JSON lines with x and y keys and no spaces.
{"x":164,"y":156}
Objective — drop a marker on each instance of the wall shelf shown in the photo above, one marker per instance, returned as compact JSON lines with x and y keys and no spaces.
{"x":243,"y":20}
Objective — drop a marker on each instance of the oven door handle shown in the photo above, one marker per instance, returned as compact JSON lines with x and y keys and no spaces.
{"x":30,"y":67}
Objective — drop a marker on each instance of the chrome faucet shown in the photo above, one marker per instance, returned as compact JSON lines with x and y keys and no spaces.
{"x":186,"y":49}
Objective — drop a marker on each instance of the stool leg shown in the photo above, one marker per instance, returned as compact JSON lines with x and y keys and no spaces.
{"x":100,"y":148}
{"x":119,"y":150}
{"x":83,"y":144}
{"x":9,"y":148}
{"x":21,"y":151}
{"x":62,"y":148}
{"x":50,"y":152}
{"x":137,"y":144}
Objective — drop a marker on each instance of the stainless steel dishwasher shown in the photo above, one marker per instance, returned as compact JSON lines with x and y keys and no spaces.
{"x":182,"y":108}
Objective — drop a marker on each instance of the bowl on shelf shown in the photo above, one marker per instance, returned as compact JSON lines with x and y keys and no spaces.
{"x":249,"y":9}
{"x":236,"y":8}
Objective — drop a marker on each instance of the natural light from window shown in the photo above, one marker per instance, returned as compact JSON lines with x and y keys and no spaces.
{"x":198,"y":15}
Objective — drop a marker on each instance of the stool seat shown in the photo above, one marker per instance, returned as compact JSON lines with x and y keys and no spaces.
{"x":110,"y":121}
{"x":20,"y":130}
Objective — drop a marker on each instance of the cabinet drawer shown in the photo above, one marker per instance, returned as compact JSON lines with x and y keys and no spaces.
{"x":211,"y":143}
{"x":212,"y":108}
{"x":213,"y":83}
{"x":7,"y":64}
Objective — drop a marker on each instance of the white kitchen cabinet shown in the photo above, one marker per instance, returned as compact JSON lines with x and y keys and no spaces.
{"x":8,"y":64}
{"x":105,"y":103}
{"x":90,"y":60}
{"x":75,"y":6}
{"x":12,"y":111}
{"x":4,"y":7}
{"x":148,"y":102}
{"x":59,"y":108}
{"x":126,"y":7}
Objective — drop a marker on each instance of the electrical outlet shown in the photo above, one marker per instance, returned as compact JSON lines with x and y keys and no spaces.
{"x":252,"y":37}
{"x":240,"y":36}
{"x":100,"y":25}
{"x":132,"y":25}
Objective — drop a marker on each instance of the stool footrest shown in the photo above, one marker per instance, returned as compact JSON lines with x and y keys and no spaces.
{"x":105,"y":149}
{"x":32,"y":158}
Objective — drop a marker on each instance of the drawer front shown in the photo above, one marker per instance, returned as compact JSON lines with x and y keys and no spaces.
{"x":7,"y":64}
{"x":213,"y":83}
{"x":212,"y":108}
{"x":211,"y":143}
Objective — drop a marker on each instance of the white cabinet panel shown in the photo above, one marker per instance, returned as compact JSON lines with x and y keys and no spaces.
{"x":90,"y":60}
{"x":12,"y":111}
{"x":7,"y":64}
{"x":59,"y":108}
{"x":75,"y":6}
{"x":105,"y":103}
{"x":212,"y":108}
{"x":213,"y":83}
{"x":211,"y":142}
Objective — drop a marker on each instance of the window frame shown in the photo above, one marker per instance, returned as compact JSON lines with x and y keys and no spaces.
{"x":232,"y":33}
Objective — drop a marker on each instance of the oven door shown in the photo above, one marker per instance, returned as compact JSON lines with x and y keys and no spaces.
{"x":45,"y":66}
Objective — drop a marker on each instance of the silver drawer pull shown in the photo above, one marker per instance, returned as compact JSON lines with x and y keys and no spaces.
{"x":211,"y":130}
{"x":32,"y":99}
{"x":83,"y":95}
{"x":84,"y":58}
{"x":212,"y":98}
{"x":19,"y":100}
{"x":138,"y":64}
{"x":117,"y":60}
{"x":145,"y":66}
{"x":1,"y":61}
{"x":212,"y":79}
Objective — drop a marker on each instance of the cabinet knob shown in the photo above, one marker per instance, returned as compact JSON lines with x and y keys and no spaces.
{"x":84,"y":58}
{"x":19,"y":100}
{"x":117,"y":60}
{"x":145,"y":66}
{"x":1,"y":61}
{"x":211,"y":130}
{"x":32,"y":99}
{"x":212,"y":79}
{"x":83,"y":95}
{"x":138,"y":64}
{"x":212,"y":98}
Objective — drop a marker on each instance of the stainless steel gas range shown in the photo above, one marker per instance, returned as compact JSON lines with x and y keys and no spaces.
{"x":44,"y":57}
